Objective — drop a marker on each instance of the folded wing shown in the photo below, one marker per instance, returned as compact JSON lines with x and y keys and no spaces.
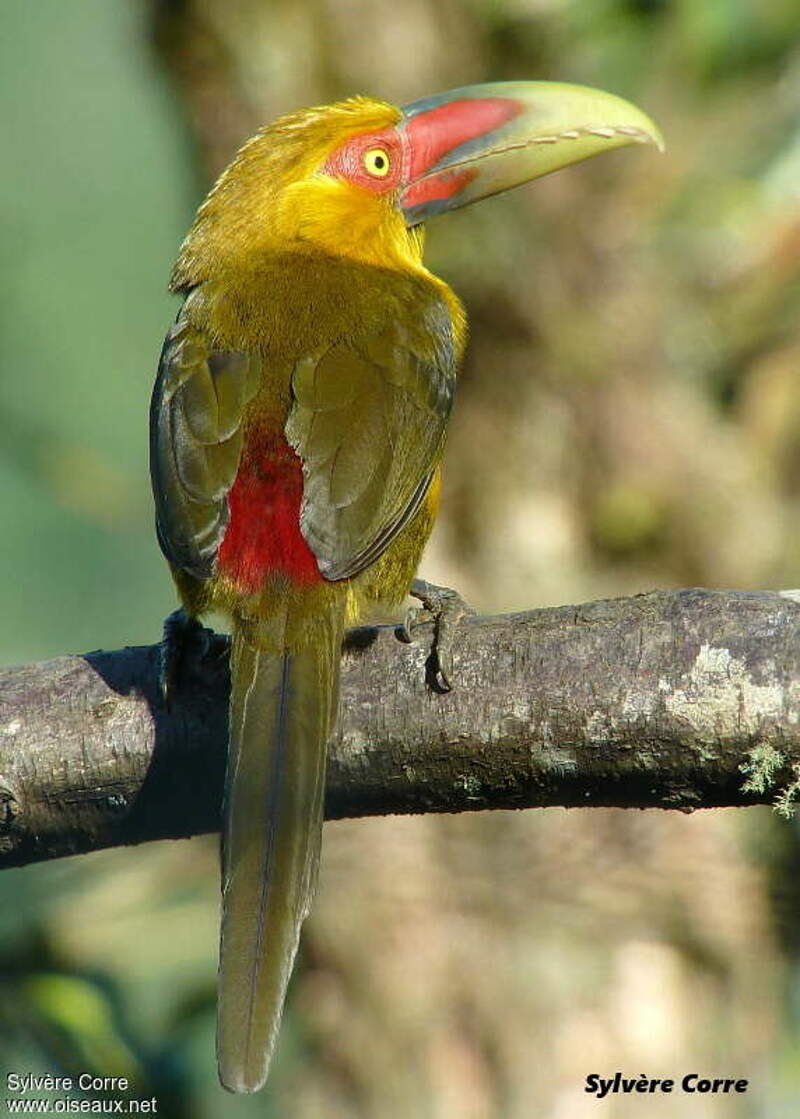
{"x":368,"y":422}
{"x":196,"y":416}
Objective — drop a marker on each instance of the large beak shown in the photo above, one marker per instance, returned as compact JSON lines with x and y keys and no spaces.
{"x":479,"y":140}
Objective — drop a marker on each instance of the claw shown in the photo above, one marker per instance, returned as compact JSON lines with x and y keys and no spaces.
{"x":445,"y":608}
{"x":181,"y":634}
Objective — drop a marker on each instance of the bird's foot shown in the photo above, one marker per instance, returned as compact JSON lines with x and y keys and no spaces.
{"x":445,"y":608}
{"x":183,"y":637}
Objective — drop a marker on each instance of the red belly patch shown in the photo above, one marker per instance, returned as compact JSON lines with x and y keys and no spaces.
{"x":263,"y":536}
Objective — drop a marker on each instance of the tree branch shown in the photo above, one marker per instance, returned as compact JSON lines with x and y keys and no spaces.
{"x":667,"y":700}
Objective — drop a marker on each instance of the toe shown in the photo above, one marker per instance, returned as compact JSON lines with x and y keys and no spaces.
{"x":415,"y":617}
{"x":446,"y":609}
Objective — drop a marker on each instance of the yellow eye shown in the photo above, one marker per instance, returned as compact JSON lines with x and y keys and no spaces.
{"x":376,"y":162}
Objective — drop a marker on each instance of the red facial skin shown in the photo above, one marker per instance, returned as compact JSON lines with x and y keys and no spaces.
{"x":416,"y":145}
{"x":347,"y":162}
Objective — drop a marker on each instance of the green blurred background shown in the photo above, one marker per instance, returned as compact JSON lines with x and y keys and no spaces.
{"x":629,"y":417}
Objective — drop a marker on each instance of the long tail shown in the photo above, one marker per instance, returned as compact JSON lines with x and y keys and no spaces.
{"x":283,"y":701}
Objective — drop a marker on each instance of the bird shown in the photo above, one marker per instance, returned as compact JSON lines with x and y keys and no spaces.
{"x":297,"y":428}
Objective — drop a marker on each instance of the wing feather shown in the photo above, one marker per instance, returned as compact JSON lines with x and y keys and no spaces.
{"x":368,"y":422}
{"x":196,"y":418}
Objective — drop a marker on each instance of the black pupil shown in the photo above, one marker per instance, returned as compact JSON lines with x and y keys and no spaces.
{"x":379,"y":162}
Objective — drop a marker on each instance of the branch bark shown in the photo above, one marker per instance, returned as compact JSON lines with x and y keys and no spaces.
{"x":662,"y":700}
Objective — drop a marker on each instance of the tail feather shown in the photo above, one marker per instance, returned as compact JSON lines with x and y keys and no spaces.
{"x":282,"y":704}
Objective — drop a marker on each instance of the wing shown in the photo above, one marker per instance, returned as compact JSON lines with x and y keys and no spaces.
{"x":195,"y":442}
{"x":368,"y":422}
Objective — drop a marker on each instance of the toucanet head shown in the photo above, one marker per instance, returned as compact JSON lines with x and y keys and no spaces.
{"x":360,"y":177}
